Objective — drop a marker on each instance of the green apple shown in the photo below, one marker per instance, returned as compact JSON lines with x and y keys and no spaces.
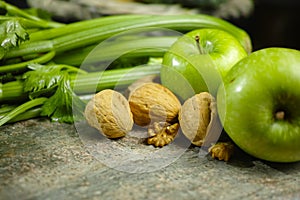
{"x":199,"y":60}
{"x":259,"y":104}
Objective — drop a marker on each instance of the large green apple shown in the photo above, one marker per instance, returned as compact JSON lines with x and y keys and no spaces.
{"x":259,"y":104}
{"x":199,"y":60}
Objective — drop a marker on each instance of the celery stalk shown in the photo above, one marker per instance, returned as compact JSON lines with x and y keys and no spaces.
{"x":57,"y":44}
{"x":80,"y":26}
{"x":21,"y":109}
{"x":21,"y":66}
{"x":15,"y":11}
{"x":147,"y":46}
{"x":85,"y":83}
{"x":175,"y":22}
{"x":96,"y":34}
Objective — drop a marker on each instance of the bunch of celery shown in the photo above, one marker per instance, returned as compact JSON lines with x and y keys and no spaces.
{"x":40,"y":60}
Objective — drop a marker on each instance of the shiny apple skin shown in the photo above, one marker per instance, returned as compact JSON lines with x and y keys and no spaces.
{"x":255,"y":91}
{"x":187,"y":71}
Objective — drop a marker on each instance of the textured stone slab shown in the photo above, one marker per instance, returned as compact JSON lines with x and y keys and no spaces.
{"x":44,"y":160}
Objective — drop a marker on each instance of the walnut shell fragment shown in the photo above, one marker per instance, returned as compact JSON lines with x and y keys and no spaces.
{"x":198,"y":119}
{"x":152,"y":102}
{"x":109,"y":112}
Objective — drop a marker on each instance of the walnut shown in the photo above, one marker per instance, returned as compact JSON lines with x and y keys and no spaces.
{"x":109,"y":112}
{"x":222,"y":150}
{"x":140,"y":82}
{"x":162,"y":133}
{"x":198,"y":119}
{"x":152,"y":102}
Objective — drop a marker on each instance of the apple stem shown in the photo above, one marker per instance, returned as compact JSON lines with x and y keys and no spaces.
{"x":279,"y":115}
{"x":201,"y":50}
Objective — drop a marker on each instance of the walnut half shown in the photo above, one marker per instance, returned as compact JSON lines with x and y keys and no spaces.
{"x":198,"y":119}
{"x":200,"y":123}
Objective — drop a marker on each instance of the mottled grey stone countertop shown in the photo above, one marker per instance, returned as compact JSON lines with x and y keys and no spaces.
{"x":45,"y":160}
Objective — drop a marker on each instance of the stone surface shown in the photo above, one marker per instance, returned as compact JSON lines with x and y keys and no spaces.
{"x":46,"y":160}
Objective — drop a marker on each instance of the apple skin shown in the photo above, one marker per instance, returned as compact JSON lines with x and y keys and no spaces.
{"x":255,"y":94}
{"x":186,"y":71}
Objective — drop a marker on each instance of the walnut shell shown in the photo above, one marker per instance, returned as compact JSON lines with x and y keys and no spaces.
{"x":140,"y":82}
{"x":198,"y":117}
{"x":152,"y":102}
{"x":109,"y":112}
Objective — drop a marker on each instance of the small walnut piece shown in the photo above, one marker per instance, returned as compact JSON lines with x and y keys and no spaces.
{"x":222,"y":150}
{"x":152,"y":102}
{"x":109,"y":112}
{"x":162,"y":133}
{"x":197,"y":117}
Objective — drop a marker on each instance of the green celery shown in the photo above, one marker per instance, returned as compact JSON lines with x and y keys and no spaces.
{"x":97,"y":34}
{"x":29,"y":114}
{"x":28,"y":23}
{"x":6,"y":108}
{"x":12,"y":92}
{"x":80,"y":26}
{"x":28,"y":48}
{"x":12,"y":34}
{"x":120,"y":78}
{"x":52,"y":90}
{"x":84,"y":83}
{"x":22,"y":66}
{"x":21,"y":109}
{"x":59,"y":106}
{"x":15,"y":11}
{"x":174,"y":22}
{"x":145,"y":46}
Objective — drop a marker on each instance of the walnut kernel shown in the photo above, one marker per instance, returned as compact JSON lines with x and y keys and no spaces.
{"x":162,"y":133}
{"x":222,"y":150}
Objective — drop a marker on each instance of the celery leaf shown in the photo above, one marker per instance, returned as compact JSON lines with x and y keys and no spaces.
{"x":41,"y":77}
{"x":60,"y":105}
{"x":53,"y":81}
{"x":12,"y":34}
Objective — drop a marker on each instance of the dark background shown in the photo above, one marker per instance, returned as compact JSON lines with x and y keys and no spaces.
{"x":273,"y":23}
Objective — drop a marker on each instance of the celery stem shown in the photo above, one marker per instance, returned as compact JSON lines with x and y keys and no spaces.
{"x":23,"y":65}
{"x":85,"y":83}
{"x":80,"y":26}
{"x":21,"y":109}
